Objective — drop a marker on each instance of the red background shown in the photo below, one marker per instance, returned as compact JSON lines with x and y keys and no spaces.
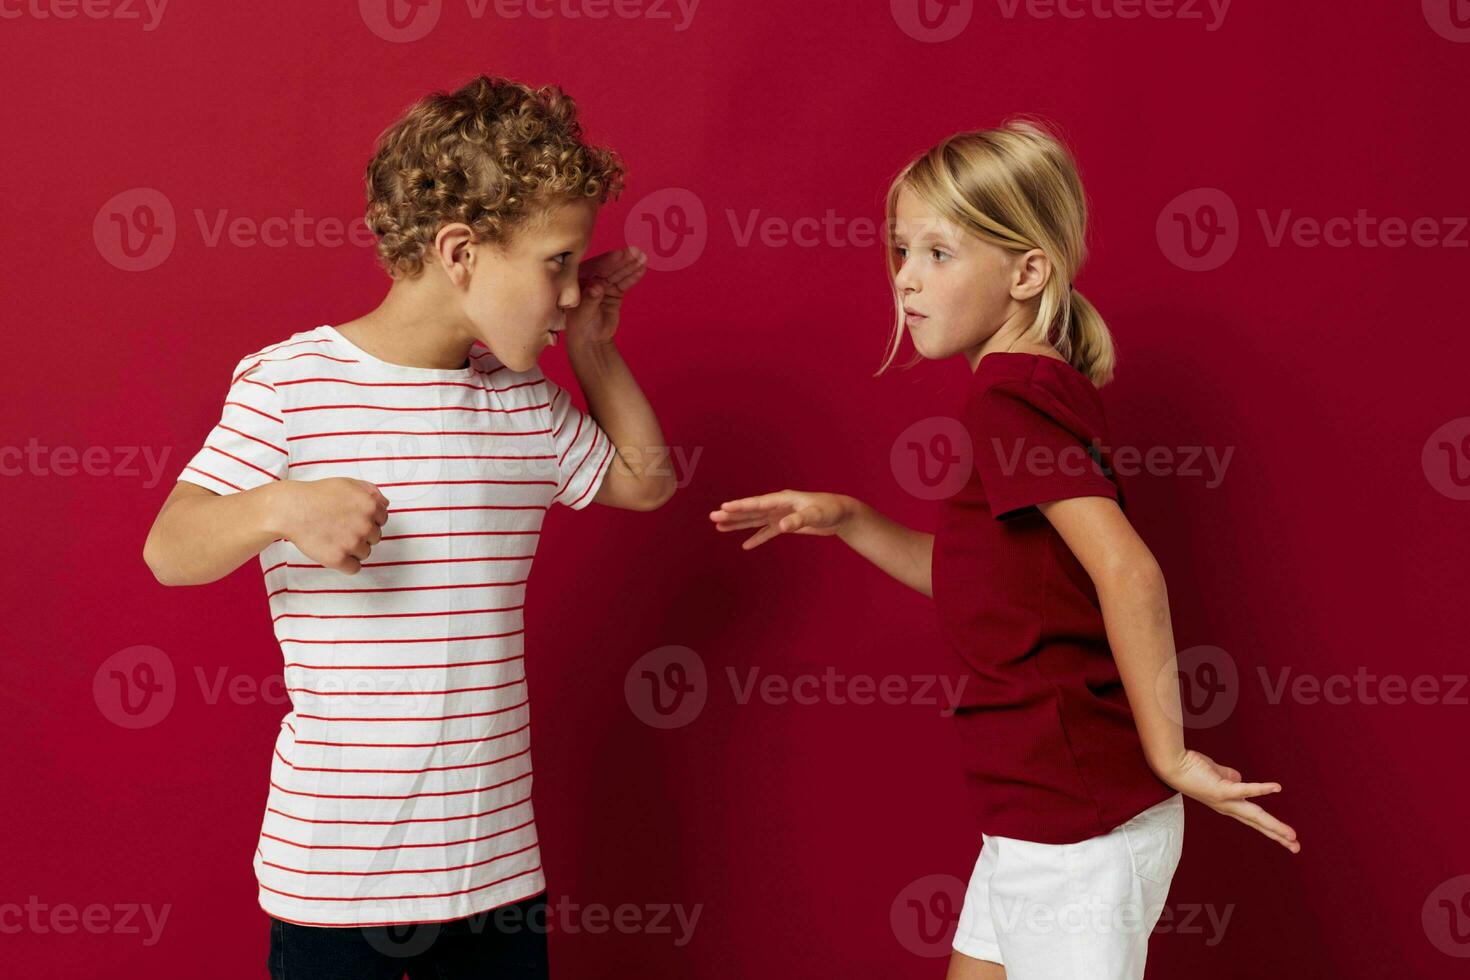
{"x":1327,"y":548}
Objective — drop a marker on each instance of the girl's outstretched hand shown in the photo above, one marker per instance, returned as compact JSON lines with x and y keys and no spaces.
{"x":784,"y":512}
{"x":1220,"y":788}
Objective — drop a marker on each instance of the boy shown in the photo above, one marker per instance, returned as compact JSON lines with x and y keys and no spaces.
{"x":393,"y":473}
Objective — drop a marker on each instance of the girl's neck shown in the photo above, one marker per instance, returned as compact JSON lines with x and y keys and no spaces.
{"x":1014,"y":345}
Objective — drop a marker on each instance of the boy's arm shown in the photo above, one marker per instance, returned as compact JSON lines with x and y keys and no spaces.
{"x":200,"y":536}
{"x":639,"y":476}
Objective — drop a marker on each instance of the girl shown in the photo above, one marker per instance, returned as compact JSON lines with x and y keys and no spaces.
{"x":1038,"y":578}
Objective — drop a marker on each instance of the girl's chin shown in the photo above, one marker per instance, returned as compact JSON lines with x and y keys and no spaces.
{"x":926,"y":347}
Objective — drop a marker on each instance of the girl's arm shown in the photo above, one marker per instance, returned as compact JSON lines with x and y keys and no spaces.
{"x":900,"y":551}
{"x":1135,"y":607}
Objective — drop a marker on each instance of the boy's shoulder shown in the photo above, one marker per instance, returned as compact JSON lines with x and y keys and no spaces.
{"x":321,"y":350}
{"x":311,"y":344}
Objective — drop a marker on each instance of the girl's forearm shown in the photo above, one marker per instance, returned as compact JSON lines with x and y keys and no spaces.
{"x":616,"y":401}
{"x":900,"y":551}
{"x":1135,"y":607}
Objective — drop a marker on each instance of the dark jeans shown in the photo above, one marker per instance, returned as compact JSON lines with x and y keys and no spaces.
{"x":508,"y":942}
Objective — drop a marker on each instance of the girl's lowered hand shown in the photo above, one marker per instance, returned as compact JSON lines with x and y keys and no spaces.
{"x":1220,"y":788}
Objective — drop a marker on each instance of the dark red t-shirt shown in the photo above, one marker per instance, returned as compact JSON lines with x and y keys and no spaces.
{"x":1050,"y":747}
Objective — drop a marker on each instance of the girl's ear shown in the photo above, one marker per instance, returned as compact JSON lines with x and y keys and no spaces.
{"x":1032,"y":271}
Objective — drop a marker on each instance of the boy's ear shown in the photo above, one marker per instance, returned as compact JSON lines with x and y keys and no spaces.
{"x":452,"y":245}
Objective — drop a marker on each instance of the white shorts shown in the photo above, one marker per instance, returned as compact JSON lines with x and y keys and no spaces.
{"x":1079,"y":911}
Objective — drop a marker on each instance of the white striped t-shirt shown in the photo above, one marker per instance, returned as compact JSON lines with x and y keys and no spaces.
{"x":400,"y":789}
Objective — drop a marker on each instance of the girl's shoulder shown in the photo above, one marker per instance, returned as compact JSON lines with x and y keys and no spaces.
{"x":1050,"y":384}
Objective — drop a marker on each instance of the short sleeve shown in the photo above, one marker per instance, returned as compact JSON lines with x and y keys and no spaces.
{"x":247,"y":447}
{"x":583,"y":451}
{"x":1026,"y":454}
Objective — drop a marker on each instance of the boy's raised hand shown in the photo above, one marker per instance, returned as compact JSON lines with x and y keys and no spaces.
{"x":784,"y":512}
{"x":605,"y":280}
{"x":335,"y":521}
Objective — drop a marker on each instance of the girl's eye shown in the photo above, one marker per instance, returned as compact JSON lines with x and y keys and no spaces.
{"x":903,"y":253}
{"x":939,"y":254}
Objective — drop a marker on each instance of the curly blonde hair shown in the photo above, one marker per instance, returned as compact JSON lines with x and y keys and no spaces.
{"x":491,"y":155}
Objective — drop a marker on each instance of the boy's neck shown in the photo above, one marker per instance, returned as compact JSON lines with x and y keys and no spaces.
{"x":410,"y":329}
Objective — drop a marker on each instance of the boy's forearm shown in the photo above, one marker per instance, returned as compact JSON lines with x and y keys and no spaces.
{"x":902,"y":552}
{"x":200,"y":539}
{"x":1135,"y":607}
{"x":616,"y":401}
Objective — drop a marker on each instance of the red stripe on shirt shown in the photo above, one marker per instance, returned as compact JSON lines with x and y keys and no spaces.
{"x":394,"y":898}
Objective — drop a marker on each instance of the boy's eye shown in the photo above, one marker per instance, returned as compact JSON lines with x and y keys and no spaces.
{"x":561,"y":259}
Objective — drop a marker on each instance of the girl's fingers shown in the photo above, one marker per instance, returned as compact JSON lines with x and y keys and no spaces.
{"x":720,"y":516}
{"x":794,"y":521}
{"x":760,"y":537}
{"x":1241,"y":791}
{"x":810,"y":518}
{"x":1254,"y":816}
{"x":742,"y":524}
{"x":764,"y":501}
